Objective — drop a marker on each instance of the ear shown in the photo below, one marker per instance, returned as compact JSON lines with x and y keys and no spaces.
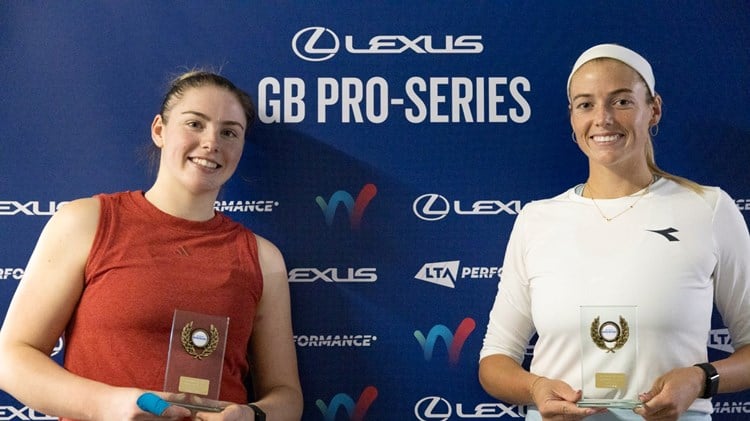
{"x":656,"y":110}
{"x":157,"y":127}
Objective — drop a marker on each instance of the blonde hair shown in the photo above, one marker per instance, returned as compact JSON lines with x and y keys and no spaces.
{"x":649,"y":152}
{"x":655,"y":170}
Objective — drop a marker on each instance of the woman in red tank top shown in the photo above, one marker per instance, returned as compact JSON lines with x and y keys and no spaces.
{"x":110,"y":270}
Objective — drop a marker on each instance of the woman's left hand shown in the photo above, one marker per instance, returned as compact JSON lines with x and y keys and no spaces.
{"x":229,"y":411}
{"x":232,"y":412}
{"x":671,"y":394}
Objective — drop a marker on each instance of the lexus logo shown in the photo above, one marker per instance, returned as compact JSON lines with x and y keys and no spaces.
{"x":315,"y":43}
{"x":431,"y":207}
{"x":433,"y":408}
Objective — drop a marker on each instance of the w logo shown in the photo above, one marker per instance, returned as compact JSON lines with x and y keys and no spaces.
{"x":454,"y":342}
{"x":356,"y":411}
{"x":355,"y":208}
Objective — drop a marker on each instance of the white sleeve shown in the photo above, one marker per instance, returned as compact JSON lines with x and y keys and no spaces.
{"x":510,"y":324}
{"x":732,"y":274}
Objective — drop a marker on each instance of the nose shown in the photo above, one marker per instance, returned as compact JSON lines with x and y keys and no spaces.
{"x":604,"y":116}
{"x":210,"y":141}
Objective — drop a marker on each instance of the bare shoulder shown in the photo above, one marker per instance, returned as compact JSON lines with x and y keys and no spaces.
{"x":87,"y":206}
{"x":75,"y":222}
{"x":270,"y":257}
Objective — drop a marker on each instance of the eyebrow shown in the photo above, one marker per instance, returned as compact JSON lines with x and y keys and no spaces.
{"x":615,"y":92}
{"x":204,"y":116}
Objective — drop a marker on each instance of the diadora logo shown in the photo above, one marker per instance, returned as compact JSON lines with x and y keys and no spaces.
{"x":356,"y":412}
{"x":316,"y":43}
{"x":355,"y":208}
{"x":434,"y":207}
{"x":667,"y":233}
{"x":32,"y":208}
{"x":454,"y":342}
{"x":359,"y":275}
{"x":719,"y":339}
{"x":438,"y":408}
{"x":446,"y":273}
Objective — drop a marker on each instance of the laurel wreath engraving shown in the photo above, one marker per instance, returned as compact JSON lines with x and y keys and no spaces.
{"x":187,"y":342}
{"x":602,"y":344}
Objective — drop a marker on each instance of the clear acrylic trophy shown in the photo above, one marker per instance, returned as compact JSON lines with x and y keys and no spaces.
{"x":609,"y":353}
{"x":196,"y":355}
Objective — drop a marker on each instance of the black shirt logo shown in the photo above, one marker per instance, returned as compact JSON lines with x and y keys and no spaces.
{"x":667,"y":233}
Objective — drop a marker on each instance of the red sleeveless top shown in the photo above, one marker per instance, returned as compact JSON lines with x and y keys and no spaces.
{"x":143,"y":265}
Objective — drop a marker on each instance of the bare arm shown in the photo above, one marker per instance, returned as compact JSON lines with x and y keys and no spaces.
{"x":52,"y":285}
{"x":505,"y":379}
{"x":734,"y":371}
{"x":37,"y":316}
{"x":275,"y":374}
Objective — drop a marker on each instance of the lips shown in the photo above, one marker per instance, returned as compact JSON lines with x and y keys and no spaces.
{"x":205,"y":163}
{"x":606,"y":138}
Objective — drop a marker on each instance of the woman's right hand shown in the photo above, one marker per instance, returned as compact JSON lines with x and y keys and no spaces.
{"x":556,"y":400}
{"x":123,"y":405}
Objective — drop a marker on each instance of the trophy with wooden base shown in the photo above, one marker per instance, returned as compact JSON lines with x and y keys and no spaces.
{"x":609,"y":353}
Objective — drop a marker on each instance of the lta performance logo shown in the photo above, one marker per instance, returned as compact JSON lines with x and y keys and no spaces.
{"x":453,"y":341}
{"x":356,"y":411}
{"x":355,"y":208}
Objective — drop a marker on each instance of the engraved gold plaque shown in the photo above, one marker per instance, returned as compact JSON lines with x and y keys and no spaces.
{"x":194,"y":386}
{"x":611,"y":380}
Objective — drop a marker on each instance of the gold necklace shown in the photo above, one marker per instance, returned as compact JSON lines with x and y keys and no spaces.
{"x":610,"y":218}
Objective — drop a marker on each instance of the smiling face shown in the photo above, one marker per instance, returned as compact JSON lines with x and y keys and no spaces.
{"x":611,"y":111}
{"x":201,"y":139}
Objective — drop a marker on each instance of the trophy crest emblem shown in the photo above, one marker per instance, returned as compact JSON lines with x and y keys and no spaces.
{"x":199,"y":343}
{"x":610,"y":336}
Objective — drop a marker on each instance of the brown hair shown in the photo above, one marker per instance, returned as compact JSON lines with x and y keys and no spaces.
{"x":177,"y":88}
{"x":199,"y":78}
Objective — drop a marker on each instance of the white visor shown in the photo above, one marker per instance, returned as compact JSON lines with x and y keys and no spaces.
{"x":617,"y":52}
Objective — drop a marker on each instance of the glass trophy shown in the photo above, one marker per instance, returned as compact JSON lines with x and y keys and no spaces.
{"x":196,"y":355}
{"x":609,"y":351}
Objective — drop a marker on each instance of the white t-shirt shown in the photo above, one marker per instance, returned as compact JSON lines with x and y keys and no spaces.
{"x":670,"y":255}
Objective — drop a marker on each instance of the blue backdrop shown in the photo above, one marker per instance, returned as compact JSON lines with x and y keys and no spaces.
{"x":396,"y":142}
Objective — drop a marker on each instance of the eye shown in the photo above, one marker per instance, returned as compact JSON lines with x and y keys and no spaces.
{"x":623,"y":102}
{"x":194,"y":124}
{"x":230,"y":133}
{"x":584,"y":105}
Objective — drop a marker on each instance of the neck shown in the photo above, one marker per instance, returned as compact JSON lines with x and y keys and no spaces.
{"x":611,"y":185}
{"x":183,"y":204}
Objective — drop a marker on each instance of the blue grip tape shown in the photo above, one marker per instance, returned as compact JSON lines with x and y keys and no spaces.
{"x":149,"y":402}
